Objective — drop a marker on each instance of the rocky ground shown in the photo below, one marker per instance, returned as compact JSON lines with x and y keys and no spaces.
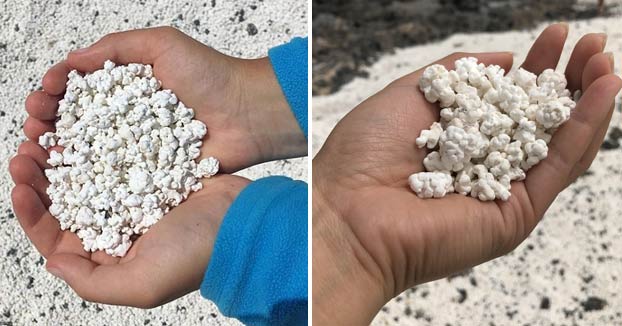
{"x":36,"y":34}
{"x":348,"y":35}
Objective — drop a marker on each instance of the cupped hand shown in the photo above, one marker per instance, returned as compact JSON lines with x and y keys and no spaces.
{"x":240,"y":101}
{"x":373,"y":237}
{"x":164,"y":264}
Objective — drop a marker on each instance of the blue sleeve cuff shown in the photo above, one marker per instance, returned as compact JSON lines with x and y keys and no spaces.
{"x":258,"y":269}
{"x":290,"y":64}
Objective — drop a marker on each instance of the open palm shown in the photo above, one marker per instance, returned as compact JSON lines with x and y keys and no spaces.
{"x":400,"y":239}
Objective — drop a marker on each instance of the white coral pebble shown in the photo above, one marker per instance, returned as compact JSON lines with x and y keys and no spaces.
{"x":430,"y":184}
{"x":493,"y":127}
{"x":128,"y":158}
{"x":207,"y":167}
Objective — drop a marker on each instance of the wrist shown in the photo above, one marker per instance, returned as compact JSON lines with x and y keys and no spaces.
{"x":215,"y":199}
{"x":271,"y":121}
{"x":344,"y":293}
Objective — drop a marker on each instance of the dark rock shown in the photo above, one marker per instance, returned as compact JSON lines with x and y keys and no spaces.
{"x":593,"y":304}
{"x":613,"y":140}
{"x":31,"y":281}
{"x":545,"y":303}
{"x":240,"y":15}
{"x":251,"y":29}
{"x":463,"y":295}
{"x":349,"y":35}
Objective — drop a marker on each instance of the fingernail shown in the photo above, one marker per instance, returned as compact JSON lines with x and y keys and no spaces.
{"x":78,"y":51}
{"x":603,"y":36}
{"x":502,"y":53}
{"x":55,"y":272}
{"x":611,"y":60}
{"x":564,"y":25}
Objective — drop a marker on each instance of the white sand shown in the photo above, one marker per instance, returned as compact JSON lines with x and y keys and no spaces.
{"x":40,"y":33}
{"x":577,"y":249}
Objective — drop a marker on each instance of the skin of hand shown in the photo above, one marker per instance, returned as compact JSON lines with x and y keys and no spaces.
{"x":249,"y":122}
{"x":240,"y":100}
{"x":374,"y":238}
{"x":164,"y":264}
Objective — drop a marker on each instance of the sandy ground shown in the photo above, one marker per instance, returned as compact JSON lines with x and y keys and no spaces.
{"x":568,"y":271}
{"x":35,"y":34}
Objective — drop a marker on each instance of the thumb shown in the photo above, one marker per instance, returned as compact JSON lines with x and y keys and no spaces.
{"x":135,"y":46}
{"x":115,"y":284}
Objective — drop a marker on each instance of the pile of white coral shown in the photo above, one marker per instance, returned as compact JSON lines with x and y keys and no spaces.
{"x":493,"y":128}
{"x":128,"y":156}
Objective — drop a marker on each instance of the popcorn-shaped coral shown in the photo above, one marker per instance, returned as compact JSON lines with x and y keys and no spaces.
{"x":128,"y":156}
{"x":493,"y":127}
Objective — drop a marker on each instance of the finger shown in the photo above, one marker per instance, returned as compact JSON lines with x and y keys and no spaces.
{"x":42,"y":106}
{"x":547,"y":49}
{"x":55,"y":78}
{"x":570,"y":142}
{"x":24,"y":170}
{"x":587,"y":46}
{"x":33,"y":128}
{"x":599,"y":65}
{"x":40,"y":227}
{"x":503,"y":59}
{"x":32,"y":211}
{"x":136,"y":46}
{"x":117,"y":284}
{"x":36,"y":152}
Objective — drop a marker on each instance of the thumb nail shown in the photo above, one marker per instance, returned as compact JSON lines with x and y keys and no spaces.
{"x":55,"y":272}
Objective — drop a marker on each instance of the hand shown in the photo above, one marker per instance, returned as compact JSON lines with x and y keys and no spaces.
{"x":373,"y":237}
{"x":169,"y":260}
{"x":165,"y":263}
{"x":240,"y":101}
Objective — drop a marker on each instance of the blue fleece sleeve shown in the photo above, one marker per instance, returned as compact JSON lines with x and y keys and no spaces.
{"x":258,"y":269}
{"x":290,"y":63}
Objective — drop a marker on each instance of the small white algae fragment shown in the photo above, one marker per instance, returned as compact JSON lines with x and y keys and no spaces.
{"x":430,"y":137}
{"x":47,"y":140}
{"x":128,"y":158}
{"x":430,"y":184}
{"x":207,"y":167}
{"x":493,"y":127}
